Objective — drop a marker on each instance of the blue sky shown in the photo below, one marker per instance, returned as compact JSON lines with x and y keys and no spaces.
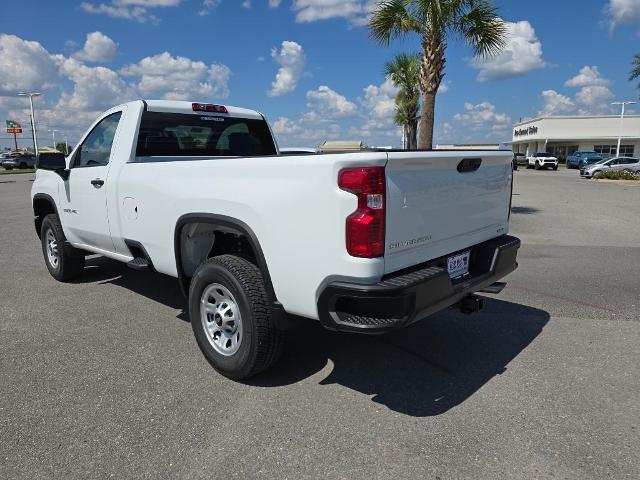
{"x":307,"y":64}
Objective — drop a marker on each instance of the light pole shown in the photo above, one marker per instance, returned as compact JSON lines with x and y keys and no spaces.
{"x":624,"y":104}
{"x":53,"y":134}
{"x":33,"y":118}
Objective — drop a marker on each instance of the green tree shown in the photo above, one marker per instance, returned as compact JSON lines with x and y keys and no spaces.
{"x":635,"y":72}
{"x":476,"y":22}
{"x":404,"y":72}
{"x":62,"y":148}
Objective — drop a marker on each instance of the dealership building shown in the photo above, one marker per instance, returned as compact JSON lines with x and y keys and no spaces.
{"x":562,"y":136}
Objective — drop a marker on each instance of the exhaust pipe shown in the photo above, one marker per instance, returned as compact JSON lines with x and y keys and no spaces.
{"x":471,"y":304}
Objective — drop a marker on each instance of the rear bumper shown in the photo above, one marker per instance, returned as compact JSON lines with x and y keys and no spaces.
{"x":411,"y":295}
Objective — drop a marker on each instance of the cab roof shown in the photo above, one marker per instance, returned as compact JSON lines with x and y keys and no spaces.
{"x":178,"y":106}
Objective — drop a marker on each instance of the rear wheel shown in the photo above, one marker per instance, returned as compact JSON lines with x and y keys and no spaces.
{"x":231,"y":317}
{"x":63,"y":261}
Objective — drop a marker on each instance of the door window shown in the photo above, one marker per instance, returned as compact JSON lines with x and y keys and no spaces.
{"x":96,"y":148}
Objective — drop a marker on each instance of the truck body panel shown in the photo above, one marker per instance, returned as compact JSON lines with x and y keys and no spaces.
{"x":291,"y":203}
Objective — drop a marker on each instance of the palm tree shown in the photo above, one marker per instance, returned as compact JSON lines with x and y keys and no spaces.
{"x":635,"y":73}
{"x":404,"y":72}
{"x":476,"y":22}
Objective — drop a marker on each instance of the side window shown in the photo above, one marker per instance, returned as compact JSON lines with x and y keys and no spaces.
{"x":96,"y":148}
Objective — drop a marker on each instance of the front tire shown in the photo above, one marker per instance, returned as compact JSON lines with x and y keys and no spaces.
{"x":231,"y":317}
{"x":63,"y":261}
{"x":537,"y":167}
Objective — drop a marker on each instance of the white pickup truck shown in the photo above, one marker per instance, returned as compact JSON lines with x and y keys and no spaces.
{"x":363,"y":242}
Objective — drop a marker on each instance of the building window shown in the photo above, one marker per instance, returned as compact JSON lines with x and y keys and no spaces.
{"x":626,"y":150}
{"x":608,"y":151}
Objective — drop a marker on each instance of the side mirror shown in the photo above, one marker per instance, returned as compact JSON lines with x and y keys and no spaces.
{"x":54,"y":162}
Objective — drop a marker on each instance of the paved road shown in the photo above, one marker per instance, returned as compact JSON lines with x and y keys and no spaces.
{"x":103,"y":378}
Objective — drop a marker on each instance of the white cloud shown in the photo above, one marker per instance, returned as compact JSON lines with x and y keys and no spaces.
{"x":138,"y":14}
{"x":555,"y":103}
{"x":482,"y":122}
{"x":97,"y":48}
{"x":325,"y":103}
{"x":592,"y":98}
{"x":25,"y":65}
{"x":332,"y":116}
{"x":522,"y":54}
{"x":380,"y":101}
{"x":136,"y":10}
{"x":291,"y":59}
{"x":356,"y":11}
{"x":75,"y":93}
{"x":274,"y":3}
{"x":588,"y":77}
{"x":623,"y":11}
{"x":284,"y":126}
{"x":149,"y":3}
{"x":179,"y":77}
{"x":85,"y":96}
{"x":595,"y":99}
{"x":207,"y":6}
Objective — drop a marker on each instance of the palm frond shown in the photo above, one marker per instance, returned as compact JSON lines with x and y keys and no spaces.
{"x":482,"y":29}
{"x":392,"y":19}
{"x":635,"y":72}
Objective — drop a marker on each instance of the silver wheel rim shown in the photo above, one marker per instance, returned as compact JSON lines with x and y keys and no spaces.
{"x":221,"y":319}
{"x":52,"y":248}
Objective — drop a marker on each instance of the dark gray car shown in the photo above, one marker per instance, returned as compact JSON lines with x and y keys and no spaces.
{"x":22,"y":160}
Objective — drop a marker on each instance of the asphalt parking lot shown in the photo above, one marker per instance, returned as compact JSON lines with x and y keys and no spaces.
{"x":102,"y":378}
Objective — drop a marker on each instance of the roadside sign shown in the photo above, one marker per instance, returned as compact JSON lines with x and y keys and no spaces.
{"x":13,"y":127}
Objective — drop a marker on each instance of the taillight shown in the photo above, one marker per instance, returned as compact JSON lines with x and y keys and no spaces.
{"x":207,"y":107}
{"x":365,"y":227}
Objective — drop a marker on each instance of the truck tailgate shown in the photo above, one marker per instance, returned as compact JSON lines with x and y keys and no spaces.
{"x":435,"y":207}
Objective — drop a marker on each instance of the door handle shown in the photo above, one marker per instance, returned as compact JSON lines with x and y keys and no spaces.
{"x":97,"y":183}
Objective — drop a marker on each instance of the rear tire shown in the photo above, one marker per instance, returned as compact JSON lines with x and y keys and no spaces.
{"x":231,"y":317}
{"x":63,"y":261}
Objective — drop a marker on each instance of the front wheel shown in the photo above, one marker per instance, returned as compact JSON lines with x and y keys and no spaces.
{"x":63,"y":261}
{"x":555,"y":167}
{"x":231,"y":317}
{"x":537,"y":165}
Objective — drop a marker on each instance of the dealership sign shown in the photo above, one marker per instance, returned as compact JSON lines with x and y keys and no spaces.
{"x":523,"y":132}
{"x":13,"y":127}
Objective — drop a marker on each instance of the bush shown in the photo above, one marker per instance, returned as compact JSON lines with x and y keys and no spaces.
{"x":621,"y":175}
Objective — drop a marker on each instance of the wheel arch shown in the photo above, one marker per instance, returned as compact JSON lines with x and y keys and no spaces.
{"x":225,"y":222}
{"x":43,"y":205}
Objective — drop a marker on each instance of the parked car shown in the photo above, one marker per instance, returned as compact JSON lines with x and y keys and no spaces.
{"x":618,"y":164}
{"x":582,"y":159}
{"x":20,"y":160}
{"x":542,"y":160}
{"x":365,"y":242}
{"x":521,"y":159}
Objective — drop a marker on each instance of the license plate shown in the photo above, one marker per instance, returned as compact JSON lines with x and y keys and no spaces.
{"x":458,"y":265}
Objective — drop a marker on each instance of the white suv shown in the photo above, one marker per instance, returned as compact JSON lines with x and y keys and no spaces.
{"x":542,"y":160}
